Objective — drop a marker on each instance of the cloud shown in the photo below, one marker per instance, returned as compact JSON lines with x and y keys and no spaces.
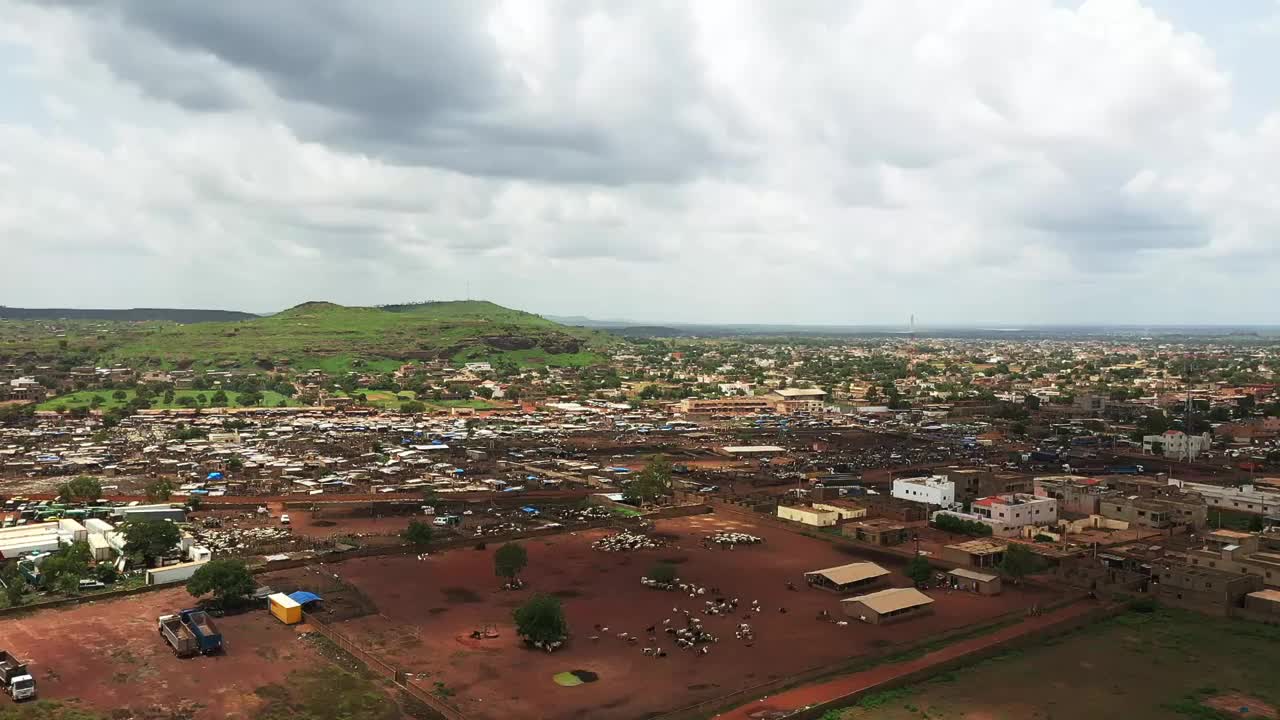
{"x":829,"y":162}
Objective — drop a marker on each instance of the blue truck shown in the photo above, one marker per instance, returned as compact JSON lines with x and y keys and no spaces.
{"x":201,"y":625}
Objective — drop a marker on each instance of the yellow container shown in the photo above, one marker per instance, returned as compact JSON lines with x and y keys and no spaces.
{"x":285,"y":609}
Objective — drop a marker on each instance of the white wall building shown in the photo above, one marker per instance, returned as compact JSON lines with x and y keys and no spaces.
{"x":935,"y":490}
{"x":1177,"y":444}
{"x":1017,"y":509}
{"x":1246,"y":498}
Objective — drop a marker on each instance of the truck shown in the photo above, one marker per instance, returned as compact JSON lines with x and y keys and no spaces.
{"x":178,"y":635}
{"x":201,"y":626}
{"x":18,"y":683}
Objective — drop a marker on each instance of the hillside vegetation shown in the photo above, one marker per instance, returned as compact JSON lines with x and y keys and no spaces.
{"x":335,"y":338}
{"x":176,"y":315}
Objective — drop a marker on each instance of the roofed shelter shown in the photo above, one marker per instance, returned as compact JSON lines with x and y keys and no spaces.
{"x":845,"y":578}
{"x":886,"y":606}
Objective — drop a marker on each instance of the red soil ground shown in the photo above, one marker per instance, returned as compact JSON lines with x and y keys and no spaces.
{"x":109,"y":656}
{"x":427,"y":608}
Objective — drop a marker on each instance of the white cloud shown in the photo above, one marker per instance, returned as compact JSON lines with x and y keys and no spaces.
{"x":984,"y":160}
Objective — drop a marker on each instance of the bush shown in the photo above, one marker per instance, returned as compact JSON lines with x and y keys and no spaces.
{"x":960,"y":526}
{"x":1143,"y":605}
{"x":664,"y":573}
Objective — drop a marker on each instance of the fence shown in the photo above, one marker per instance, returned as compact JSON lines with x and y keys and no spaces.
{"x":376,"y":665}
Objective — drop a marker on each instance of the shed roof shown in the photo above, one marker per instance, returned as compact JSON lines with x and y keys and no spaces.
{"x":980,"y":577}
{"x":1268,"y":595}
{"x":851,"y":573}
{"x":892,"y":600}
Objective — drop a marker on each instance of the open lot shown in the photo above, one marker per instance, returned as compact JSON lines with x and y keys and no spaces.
{"x":1167,"y":664}
{"x":108,"y":657}
{"x":426,"y":610}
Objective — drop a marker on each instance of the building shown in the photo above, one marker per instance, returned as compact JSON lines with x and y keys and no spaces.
{"x":973,"y":581}
{"x":1076,"y":495}
{"x":886,"y":606}
{"x":808,"y":515}
{"x":730,"y":406}
{"x":1200,"y":588}
{"x":891,"y":508}
{"x":788,"y":401}
{"x":1156,"y":512}
{"x":843,"y":509}
{"x":1016,"y":510}
{"x":974,"y":483}
{"x":1254,"y":498}
{"x":1177,"y":444}
{"x":978,"y":553}
{"x":934,"y":490}
{"x":1264,"y":602}
{"x":1089,"y":403}
{"x":845,"y":578}
{"x":877,"y":532}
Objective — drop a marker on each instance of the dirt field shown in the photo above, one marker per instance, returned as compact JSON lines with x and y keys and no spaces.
{"x":427,"y":608}
{"x":109,"y":656}
{"x":1169,"y":664}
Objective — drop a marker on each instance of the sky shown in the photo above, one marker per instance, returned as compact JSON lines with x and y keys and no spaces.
{"x":810,"y":162}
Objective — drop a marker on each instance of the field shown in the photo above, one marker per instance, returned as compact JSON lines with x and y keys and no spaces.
{"x":105,"y":659}
{"x":84,"y":398}
{"x":337,"y":339}
{"x":427,"y":608}
{"x":1167,"y":664}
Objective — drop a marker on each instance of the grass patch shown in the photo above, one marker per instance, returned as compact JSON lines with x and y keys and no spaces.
{"x":327,"y":693}
{"x":46,"y":710}
{"x":84,"y":399}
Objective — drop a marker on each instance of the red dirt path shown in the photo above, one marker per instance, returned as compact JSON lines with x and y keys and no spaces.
{"x":428,"y":607}
{"x":791,"y":700}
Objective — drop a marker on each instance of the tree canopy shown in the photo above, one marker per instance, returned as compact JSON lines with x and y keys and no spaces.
{"x":83,"y":488}
{"x":663,"y":572}
{"x":228,"y":579}
{"x":418,"y":533}
{"x":150,"y":539}
{"x":651,"y":483}
{"x":509,"y":560}
{"x":919,"y":570}
{"x":1019,"y":561}
{"x":541,"y":620}
{"x":159,"y":491}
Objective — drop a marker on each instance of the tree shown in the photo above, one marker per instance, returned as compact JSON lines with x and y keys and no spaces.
{"x":159,"y":491}
{"x":1255,"y":523}
{"x":82,"y":488}
{"x":509,"y":560}
{"x":651,"y":483}
{"x":412,"y":407}
{"x":664,"y":573}
{"x":541,"y":622}
{"x":119,"y":395}
{"x":1019,"y":561}
{"x":63,"y":570}
{"x":418,"y":533}
{"x":919,"y":570}
{"x":150,"y":539}
{"x":229,"y":580}
{"x":15,"y":585}
{"x":219,"y":399}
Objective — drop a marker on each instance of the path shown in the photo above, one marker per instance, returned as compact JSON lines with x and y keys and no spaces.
{"x":790,"y":700}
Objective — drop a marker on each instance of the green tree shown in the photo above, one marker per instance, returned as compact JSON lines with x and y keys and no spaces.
{"x":541,"y":621}
{"x":651,"y":483}
{"x":418,"y":533}
{"x":119,"y":395}
{"x":15,"y":585}
{"x":509,"y":560}
{"x":219,"y":399}
{"x":66,"y":567}
{"x":412,"y":407}
{"x":82,"y":489}
{"x":228,"y":579}
{"x":919,"y":570}
{"x":1019,"y":561}
{"x":663,"y":572}
{"x":159,"y":491}
{"x":1255,"y":523}
{"x":150,"y":539}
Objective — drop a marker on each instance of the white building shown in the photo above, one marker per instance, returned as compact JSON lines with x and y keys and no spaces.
{"x":934,"y":490}
{"x":1177,"y":444}
{"x":1246,"y":498}
{"x":1007,"y":515}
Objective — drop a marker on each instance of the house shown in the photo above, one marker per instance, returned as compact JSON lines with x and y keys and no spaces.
{"x":977,"y":553}
{"x":1156,"y":512}
{"x":1266,"y":602}
{"x":1017,"y":509}
{"x":877,"y":532}
{"x":974,"y":483}
{"x":1076,"y":495}
{"x":843,"y":509}
{"x":934,"y":490}
{"x":973,"y":581}
{"x":808,"y":515}
{"x":1200,"y":588}
{"x":1177,"y":444}
{"x":888,"y":606}
{"x":844,"y":578}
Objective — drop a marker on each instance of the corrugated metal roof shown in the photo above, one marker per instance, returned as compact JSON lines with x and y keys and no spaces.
{"x":851,"y":573}
{"x":892,"y":600}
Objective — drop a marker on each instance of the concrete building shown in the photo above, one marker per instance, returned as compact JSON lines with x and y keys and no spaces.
{"x":1264,"y":602}
{"x":1244,"y":498}
{"x":1200,"y":588}
{"x":731,"y":406}
{"x":792,"y":400}
{"x":973,"y":581}
{"x":886,"y":606}
{"x":1017,"y":509}
{"x":1076,"y":495}
{"x":974,"y":483}
{"x":975,"y":553}
{"x":935,"y":490}
{"x":844,"y":510}
{"x":1177,"y":444}
{"x":877,"y":532}
{"x":844,"y":578}
{"x":808,"y":515}
{"x":1156,"y":512}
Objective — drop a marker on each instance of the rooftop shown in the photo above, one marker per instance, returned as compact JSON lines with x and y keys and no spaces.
{"x":851,"y":573}
{"x":892,"y":600}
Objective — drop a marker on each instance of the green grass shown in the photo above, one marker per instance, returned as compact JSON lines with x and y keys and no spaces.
{"x":325,"y":693}
{"x":1140,"y":666}
{"x":83,"y":398}
{"x":333,"y":338}
{"x":45,"y":710}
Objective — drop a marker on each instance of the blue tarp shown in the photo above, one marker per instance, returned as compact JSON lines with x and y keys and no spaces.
{"x":214,"y":476}
{"x":529,"y":509}
{"x":302,"y":597}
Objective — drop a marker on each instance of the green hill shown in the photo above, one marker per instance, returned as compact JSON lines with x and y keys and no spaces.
{"x":335,"y":338}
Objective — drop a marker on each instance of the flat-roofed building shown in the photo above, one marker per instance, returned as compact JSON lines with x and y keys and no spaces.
{"x":844,"y":578}
{"x":886,"y":606}
{"x":974,"y":581}
{"x":808,"y":515}
{"x":977,"y":553}
{"x":878,"y":531}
